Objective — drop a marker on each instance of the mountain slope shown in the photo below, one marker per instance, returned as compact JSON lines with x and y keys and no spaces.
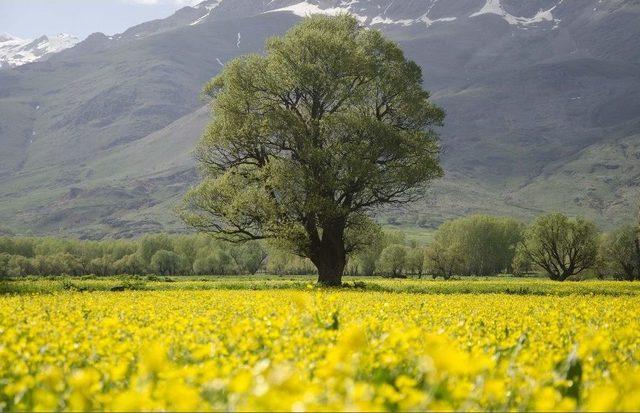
{"x":543,"y":101}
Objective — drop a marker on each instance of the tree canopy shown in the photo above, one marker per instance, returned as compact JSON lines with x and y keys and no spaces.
{"x":309,"y":138}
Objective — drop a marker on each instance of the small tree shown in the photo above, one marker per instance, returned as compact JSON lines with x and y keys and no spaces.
{"x":522,"y":264}
{"x":132,"y":264}
{"x":441,"y":260}
{"x":150,"y":244}
{"x":561,"y":246}
{"x":392,"y":261}
{"x":18,"y":266}
{"x":166,"y":262}
{"x":4,"y":264}
{"x":415,"y":261}
{"x":250,"y":257}
{"x":331,"y":123}
{"x":475,"y":245}
{"x":618,"y":254}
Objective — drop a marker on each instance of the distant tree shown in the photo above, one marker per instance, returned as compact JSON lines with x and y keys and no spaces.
{"x":4,"y":264}
{"x":102,"y":266}
{"x":205,"y":265}
{"x":250,"y":257}
{"x":150,"y":244}
{"x":307,"y":139}
{"x":415,"y":261}
{"x":618,"y":254}
{"x":475,"y":245}
{"x":441,"y":260}
{"x":166,"y":262}
{"x":561,"y":246}
{"x":217,"y":262}
{"x":522,"y":264}
{"x":131,"y":264}
{"x":393,"y":260}
{"x":19,"y":266}
{"x":363,"y":261}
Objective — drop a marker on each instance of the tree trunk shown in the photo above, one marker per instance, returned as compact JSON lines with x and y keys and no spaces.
{"x":330,"y":258}
{"x":330,"y":271}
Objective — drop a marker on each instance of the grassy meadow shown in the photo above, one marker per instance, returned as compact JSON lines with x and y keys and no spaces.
{"x":267,"y":343}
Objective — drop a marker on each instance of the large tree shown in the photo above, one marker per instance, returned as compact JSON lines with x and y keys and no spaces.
{"x":307,"y":139}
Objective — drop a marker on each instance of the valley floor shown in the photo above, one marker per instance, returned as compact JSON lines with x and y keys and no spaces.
{"x":281,"y":344}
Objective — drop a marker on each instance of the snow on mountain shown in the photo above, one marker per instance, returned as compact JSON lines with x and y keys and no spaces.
{"x":385,"y":12}
{"x":209,"y":6}
{"x":15,"y":51}
{"x":495,"y":7}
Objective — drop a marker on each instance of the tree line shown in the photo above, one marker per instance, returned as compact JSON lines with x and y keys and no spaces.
{"x":477,"y":245}
{"x":159,"y":254}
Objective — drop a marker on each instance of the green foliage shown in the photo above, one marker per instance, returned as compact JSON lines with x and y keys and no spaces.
{"x":561,"y":246}
{"x":132,"y":264}
{"x":393,"y":260}
{"x":250,"y":257}
{"x":189,"y":254}
{"x":4,"y":264}
{"x":166,"y":262}
{"x":617,"y":255}
{"x":441,"y":259}
{"x":331,"y":122}
{"x":476,"y":245}
{"x":282,"y":262}
{"x":216,"y":262}
{"x":150,"y":244}
{"x":415,"y":261}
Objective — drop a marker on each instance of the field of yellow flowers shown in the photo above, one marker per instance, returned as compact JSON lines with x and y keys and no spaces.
{"x":317,"y":350}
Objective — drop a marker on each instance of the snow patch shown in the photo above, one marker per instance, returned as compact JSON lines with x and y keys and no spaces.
{"x":304,"y":9}
{"x":208,"y":6}
{"x":495,"y":7}
{"x":16,"y":52}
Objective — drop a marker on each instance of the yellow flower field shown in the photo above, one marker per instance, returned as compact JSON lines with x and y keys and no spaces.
{"x":317,"y":350}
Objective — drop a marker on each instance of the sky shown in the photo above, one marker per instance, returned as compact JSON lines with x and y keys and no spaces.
{"x":29,"y":19}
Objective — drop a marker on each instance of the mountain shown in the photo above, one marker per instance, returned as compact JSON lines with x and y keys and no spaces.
{"x":542,"y":97}
{"x":16,"y":52}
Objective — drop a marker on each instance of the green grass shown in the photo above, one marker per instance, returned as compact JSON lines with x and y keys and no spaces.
{"x":467,"y":285}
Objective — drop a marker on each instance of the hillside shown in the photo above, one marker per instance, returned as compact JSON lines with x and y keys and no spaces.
{"x":543,"y":103}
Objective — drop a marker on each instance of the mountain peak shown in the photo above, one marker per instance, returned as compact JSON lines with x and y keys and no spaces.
{"x":17,"y":52}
